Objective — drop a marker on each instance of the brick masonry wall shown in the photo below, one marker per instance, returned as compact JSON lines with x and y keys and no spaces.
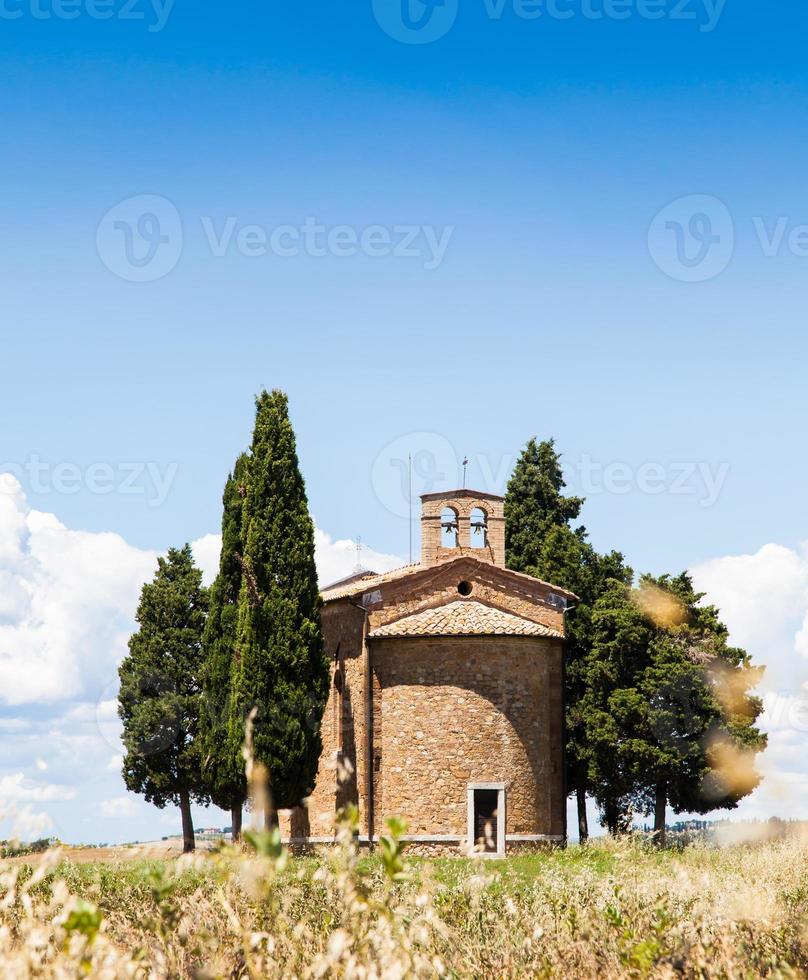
{"x":472,"y":709}
{"x":463,"y":503}
{"x":526,"y":598}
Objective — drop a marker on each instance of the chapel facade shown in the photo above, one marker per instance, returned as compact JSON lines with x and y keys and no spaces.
{"x":447,"y":694}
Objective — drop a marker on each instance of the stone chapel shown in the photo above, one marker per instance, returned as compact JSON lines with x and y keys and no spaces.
{"x":447,"y":694}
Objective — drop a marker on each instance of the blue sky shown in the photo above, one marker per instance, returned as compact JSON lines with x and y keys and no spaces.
{"x":543,"y":153}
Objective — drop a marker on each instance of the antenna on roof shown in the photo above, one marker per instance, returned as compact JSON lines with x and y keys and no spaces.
{"x":465,"y":466}
{"x":358,"y":554}
{"x":409,"y":494}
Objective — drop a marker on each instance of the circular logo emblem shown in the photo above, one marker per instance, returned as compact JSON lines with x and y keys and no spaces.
{"x":399,"y":483}
{"x":140,"y":239}
{"x":693,"y":238}
{"x":415,"y":21}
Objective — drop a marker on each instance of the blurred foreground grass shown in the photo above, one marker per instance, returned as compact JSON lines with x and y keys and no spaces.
{"x":610,"y":909}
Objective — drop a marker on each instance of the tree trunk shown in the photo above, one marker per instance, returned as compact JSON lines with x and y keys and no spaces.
{"x":583,"y":825}
{"x":659,"y":813}
{"x":188,"y":839}
{"x":611,"y":815}
{"x":235,"y":822}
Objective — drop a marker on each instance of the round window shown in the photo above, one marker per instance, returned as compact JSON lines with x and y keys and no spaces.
{"x":465,"y":588}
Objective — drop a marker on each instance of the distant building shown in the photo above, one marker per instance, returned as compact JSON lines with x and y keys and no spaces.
{"x":447,"y":693}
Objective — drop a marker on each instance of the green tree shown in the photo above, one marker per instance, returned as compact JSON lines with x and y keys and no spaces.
{"x":669,"y":717}
{"x":281,"y":669}
{"x":160,"y":691}
{"x":620,"y":638}
{"x":535,"y":505}
{"x":222,"y":765}
{"x":540,"y":541}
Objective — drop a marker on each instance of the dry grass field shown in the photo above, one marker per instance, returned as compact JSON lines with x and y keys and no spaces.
{"x":610,"y":909}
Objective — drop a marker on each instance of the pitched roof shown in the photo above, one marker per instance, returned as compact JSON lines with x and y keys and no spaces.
{"x":464,"y":618}
{"x":357,"y":585}
{"x":467,"y":493}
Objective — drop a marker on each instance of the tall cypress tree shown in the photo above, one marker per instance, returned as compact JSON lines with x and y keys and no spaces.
{"x":539,"y":541}
{"x":534,"y":505}
{"x":222,"y":768}
{"x":160,"y":695}
{"x":281,"y":666}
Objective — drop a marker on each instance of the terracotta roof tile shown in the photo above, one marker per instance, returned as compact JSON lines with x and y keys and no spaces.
{"x":464,"y":618}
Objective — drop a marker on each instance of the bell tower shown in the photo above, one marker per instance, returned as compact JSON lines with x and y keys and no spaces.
{"x":456,"y":523}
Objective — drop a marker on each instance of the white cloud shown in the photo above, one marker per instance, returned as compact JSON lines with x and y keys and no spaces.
{"x":119,"y":807}
{"x":337,"y":559}
{"x":206,"y":554}
{"x":25,"y":823}
{"x":17,"y":789}
{"x":66,"y":620}
{"x":763,"y":599}
{"x":68,"y":598}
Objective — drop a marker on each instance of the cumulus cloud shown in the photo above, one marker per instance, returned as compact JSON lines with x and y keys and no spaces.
{"x":763,"y":599}
{"x":119,"y":807}
{"x":68,"y":598}
{"x":17,"y":789}
{"x":68,"y":601}
{"x":206,"y":554}
{"x":337,"y":559}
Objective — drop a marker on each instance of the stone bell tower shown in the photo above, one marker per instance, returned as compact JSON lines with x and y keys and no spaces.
{"x":456,"y":523}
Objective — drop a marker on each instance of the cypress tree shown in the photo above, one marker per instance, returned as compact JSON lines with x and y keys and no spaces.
{"x":534,"y":505}
{"x":222,"y":768}
{"x":160,"y":694}
{"x":281,"y":668}
{"x":539,"y":541}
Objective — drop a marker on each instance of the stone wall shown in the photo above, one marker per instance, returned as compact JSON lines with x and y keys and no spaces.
{"x":462,"y":502}
{"x":450,"y":711}
{"x":519,"y":595}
